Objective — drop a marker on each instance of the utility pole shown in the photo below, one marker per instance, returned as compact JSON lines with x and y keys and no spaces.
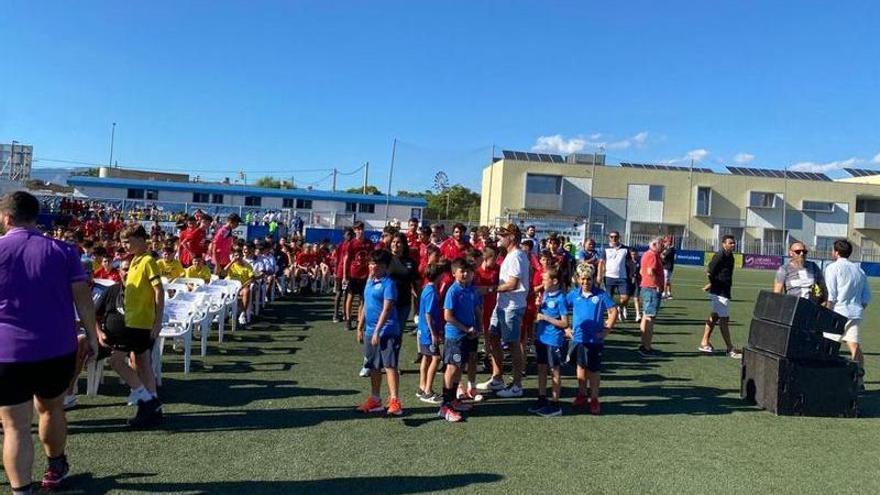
{"x":366,"y":176}
{"x":112,"y":139}
{"x":489,"y":198}
{"x":390,"y":175}
{"x":334,"y":179}
{"x":587,"y":234}
{"x":784,"y":201}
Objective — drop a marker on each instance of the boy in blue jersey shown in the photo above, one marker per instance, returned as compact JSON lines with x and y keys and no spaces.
{"x":588,"y":304}
{"x":430,"y":335}
{"x":379,"y":331}
{"x":460,"y":332}
{"x":552,"y":320}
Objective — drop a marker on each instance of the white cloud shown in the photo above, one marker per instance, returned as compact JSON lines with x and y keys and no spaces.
{"x":559,"y":144}
{"x":876,"y":158}
{"x":743,"y":158}
{"x":697,"y":155}
{"x":821,"y":168}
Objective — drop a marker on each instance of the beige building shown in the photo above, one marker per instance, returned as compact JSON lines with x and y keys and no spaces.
{"x":696,"y":206}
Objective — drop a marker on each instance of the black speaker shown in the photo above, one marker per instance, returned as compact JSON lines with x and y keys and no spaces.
{"x":797,"y":312}
{"x":799,"y":388}
{"x":793,"y":343}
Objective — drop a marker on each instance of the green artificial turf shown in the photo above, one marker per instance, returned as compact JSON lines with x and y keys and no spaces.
{"x":271,"y":410}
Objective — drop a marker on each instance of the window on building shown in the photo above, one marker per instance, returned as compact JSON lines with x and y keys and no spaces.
{"x":287,"y":203}
{"x":350,"y":207}
{"x":253,"y":201}
{"x":704,"y":201}
{"x":135,"y":194}
{"x":543,"y":184}
{"x":151,"y":194}
{"x":820,"y":206}
{"x":655,"y":193}
{"x":201,"y":197}
{"x":304,"y":204}
{"x":762,"y":199}
{"x":367,"y":208}
{"x":217,"y":199}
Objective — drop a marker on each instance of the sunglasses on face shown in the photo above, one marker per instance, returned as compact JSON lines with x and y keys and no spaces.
{"x":799,"y":251}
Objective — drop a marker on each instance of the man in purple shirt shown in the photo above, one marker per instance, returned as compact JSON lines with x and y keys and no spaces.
{"x":41,"y":282}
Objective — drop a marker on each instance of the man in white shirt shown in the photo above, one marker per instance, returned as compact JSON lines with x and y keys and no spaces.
{"x":506,"y":321}
{"x":848,"y":295}
{"x":612,"y":270}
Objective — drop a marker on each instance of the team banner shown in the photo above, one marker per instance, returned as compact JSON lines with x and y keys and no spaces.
{"x":762,"y":261}
{"x":686,"y":257}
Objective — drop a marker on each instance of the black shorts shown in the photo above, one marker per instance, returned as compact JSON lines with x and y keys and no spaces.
{"x":356,"y":286}
{"x":472,"y":344}
{"x":47,"y":379}
{"x":456,"y":351}
{"x":429,"y":350}
{"x":127,"y":339}
{"x":589,"y":356}
{"x":338,"y":286}
{"x":548,"y":354}
{"x":385,"y":355}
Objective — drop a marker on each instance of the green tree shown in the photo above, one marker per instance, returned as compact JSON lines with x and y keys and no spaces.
{"x":86,"y":172}
{"x":460,"y":202}
{"x":269,"y":182}
{"x":370,"y":190}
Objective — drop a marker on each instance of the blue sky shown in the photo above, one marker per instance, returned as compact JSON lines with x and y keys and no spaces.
{"x":295,"y":87}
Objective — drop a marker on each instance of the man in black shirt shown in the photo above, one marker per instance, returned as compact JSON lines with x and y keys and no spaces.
{"x":720,"y":273}
{"x":667,"y":258}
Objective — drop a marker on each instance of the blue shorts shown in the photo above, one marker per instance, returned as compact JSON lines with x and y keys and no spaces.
{"x":548,"y":354}
{"x":589,"y":356}
{"x":619,"y":285}
{"x":456,"y":352}
{"x":385,"y":355}
{"x":429,"y":350}
{"x":506,"y":323}
{"x":650,"y":301}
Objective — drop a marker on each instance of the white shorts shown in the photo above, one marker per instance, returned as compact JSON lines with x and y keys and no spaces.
{"x":667,"y":276}
{"x":851,"y":331}
{"x":720,"y":305}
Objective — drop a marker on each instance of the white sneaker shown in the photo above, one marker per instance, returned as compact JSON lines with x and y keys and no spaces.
{"x":364,"y":373}
{"x":491,"y":384}
{"x":70,"y":401}
{"x":242,"y":320}
{"x":625,"y":314}
{"x":510,"y":392}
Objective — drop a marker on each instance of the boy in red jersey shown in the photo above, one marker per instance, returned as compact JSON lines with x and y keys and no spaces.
{"x":355,"y":268}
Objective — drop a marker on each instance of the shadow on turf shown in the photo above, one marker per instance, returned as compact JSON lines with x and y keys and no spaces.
{"x":233,"y":392}
{"x":390,"y":485}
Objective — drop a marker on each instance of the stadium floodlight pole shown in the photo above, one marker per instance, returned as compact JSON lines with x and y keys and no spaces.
{"x":390,"y":175}
{"x":334,"y":179}
{"x":690,"y":201}
{"x":784,"y":201}
{"x":489,"y":198}
{"x":112,"y":139}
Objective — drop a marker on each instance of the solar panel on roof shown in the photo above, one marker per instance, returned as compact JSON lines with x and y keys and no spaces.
{"x":533,"y":157}
{"x":544,"y":157}
{"x":557,"y":159}
{"x":508,"y":155}
{"x":522,"y":156}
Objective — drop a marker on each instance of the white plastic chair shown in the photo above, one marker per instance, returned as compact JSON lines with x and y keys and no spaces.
{"x":201,"y":315}
{"x":178,"y":323}
{"x":195,"y":282}
{"x":95,"y":368}
{"x":217,"y":299}
{"x":232,"y":287}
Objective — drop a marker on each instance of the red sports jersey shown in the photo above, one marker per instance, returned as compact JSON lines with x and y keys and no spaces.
{"x":452,"y":250}
{"x":487,"y":277}
{"x":358,"y":258}
{"x":306,"y":259}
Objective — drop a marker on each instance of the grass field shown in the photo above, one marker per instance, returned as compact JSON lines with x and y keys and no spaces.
{"x":272,"y":411}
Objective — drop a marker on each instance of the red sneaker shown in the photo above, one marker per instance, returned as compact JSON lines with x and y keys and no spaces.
{"x":448,"y":414}
{"x":460,"y":406}
{"x":580,"y":401}
{"x":370,"y":405}
{"x":54,"y":475}
{"x":594,"y":407}
{"x":394,"y":407}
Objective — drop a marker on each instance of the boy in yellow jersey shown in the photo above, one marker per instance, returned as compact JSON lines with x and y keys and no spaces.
{"x":136,"y":330}
{"x":170,"y":267}
{"x":198,"y":269}
{"x":240,"y":270}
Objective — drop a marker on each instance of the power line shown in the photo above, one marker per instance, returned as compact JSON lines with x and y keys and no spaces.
{"x":284,"y":171}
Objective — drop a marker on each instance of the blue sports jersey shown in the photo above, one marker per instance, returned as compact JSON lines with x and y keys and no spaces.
{"x":554,"y":305}
{"x":375,"y":294}
{"x":463,"y":303}
{"x":429,"y":307}
{"x":589,"y":311}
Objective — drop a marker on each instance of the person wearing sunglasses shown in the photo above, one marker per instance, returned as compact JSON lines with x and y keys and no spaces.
{"x":800,"y":277}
